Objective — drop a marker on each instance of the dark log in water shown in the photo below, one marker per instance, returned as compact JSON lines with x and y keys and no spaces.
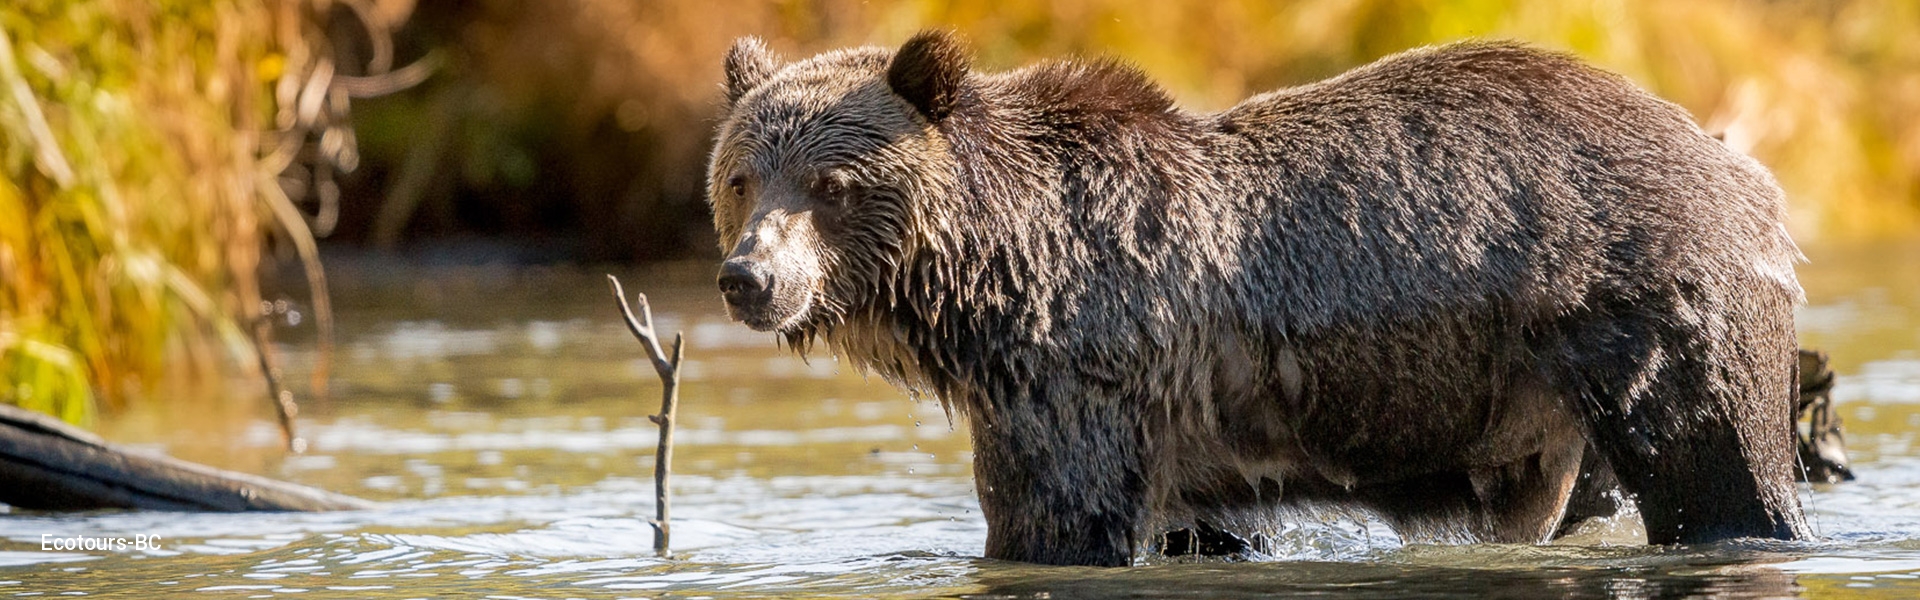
{"x":1822,"y":445}
{"x":48,"y":465}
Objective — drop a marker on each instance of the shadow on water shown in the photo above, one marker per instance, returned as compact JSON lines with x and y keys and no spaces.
{"x":500,"y":417}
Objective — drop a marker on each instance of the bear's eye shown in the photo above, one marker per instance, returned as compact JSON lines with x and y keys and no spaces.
{"x":737,"y":185}
{"x":833,"y":188}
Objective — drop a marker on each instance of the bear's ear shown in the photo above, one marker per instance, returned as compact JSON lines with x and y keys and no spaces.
{"x":927,"y":72}
{"x":749,"y":64}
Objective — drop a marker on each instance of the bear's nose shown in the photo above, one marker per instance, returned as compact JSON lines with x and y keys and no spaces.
{"x":739,"y":281}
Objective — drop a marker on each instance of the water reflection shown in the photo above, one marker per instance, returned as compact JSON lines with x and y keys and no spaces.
{"x":499,"y":416}
{"x":1396,"y":581}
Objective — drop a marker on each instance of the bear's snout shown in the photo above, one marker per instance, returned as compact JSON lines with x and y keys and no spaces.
{"x":757,"y":296}
{"x":743,"y":285}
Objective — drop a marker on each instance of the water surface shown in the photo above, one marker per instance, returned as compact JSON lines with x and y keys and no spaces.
{"x":499,"y":415}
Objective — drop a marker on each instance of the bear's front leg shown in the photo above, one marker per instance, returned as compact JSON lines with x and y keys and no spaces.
{"x":1060,"y":481}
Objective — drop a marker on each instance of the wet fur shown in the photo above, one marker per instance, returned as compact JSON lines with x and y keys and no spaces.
{"x":1421,"y":287}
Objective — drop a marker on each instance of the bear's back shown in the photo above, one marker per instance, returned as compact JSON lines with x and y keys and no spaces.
{"x":1476,"y":174}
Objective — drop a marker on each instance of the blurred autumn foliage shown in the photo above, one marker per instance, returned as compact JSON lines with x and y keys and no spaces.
{"x":131,"y":215}
{"x":583,"y":123}
{"x":146,"y":153}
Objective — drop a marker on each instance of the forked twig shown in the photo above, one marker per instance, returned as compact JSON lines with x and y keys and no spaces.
{"x":669,"y":371}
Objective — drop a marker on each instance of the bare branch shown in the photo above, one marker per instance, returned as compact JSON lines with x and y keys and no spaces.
{"x":283,"y":404}
{"x":371,"y":86}
{"x":642,"y":326}
{"x":669,"y":370}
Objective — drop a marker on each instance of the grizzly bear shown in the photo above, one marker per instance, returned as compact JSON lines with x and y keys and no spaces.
{"x":1424,"y":288}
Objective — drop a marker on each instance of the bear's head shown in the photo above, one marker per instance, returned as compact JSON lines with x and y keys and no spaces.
{"x":818,"y":173}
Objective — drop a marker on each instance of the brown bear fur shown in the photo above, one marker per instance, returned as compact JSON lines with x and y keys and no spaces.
{"x":1422,"y":287}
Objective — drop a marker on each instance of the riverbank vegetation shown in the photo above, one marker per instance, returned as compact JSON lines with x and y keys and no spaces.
{"x":138,"y":194}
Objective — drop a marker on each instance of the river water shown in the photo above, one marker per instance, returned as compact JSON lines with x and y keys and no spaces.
{"x":499,"y":416}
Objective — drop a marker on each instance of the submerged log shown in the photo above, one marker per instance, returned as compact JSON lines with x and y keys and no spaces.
{"x":1822,"y":445}
{"x":48,"y":465}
